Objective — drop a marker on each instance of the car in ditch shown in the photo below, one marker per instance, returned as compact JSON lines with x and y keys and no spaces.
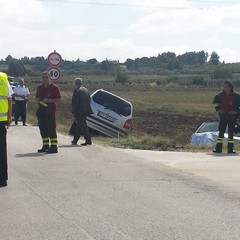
{"x":207,"y":134}
{"x":112,"y":115}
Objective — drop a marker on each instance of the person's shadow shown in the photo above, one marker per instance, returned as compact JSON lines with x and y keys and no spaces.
{"x":33,"y":154}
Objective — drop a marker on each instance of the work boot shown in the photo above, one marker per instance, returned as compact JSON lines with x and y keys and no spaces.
{"x":52,"y":149}
{"x":230,"y":148}
{"x":218,"y":148}
{"x":43,"y":149}
{"x":86,"y":143}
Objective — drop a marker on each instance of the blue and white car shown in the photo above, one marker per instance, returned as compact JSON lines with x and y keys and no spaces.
{"x":207,"y":135}
{"x":112,"y":115}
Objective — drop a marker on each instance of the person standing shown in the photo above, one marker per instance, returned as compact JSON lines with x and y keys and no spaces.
{"x":228,"y":105}
{"x":81,"y":109}
{"x":21,"y":93}
{"x":47,"y":97}
{"x":5,"y":121}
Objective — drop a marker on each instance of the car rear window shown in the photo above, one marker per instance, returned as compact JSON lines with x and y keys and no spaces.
{"x":113,"y":103}
{"x":209,"y":127}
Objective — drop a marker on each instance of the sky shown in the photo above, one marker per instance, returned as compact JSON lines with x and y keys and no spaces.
{"x":118,"y":30}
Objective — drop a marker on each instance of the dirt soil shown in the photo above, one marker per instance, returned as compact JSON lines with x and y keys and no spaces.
{"x":174,"y":126}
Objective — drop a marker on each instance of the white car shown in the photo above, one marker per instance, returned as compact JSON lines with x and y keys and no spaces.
{"x":112,"y":115}
{"x":207,"y":134}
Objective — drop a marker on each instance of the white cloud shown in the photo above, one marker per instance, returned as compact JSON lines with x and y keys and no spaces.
{"x":36,"y":28}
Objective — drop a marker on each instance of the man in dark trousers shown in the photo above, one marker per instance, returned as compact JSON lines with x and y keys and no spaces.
{"x":81,"y":109}
{"x":5,"y":121}
{"x":47,"y":97}
{"x":21,"y":93}
{"x":228,"y":104}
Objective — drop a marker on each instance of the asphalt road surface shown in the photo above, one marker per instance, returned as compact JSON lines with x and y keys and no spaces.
{"x":103,"y":193}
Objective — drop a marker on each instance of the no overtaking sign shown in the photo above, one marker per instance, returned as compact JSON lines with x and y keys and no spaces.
{"x":54,"y":59}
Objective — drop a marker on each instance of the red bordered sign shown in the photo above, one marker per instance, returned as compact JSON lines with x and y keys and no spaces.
{"x":54,"y":73}
{"x":54,"y":58}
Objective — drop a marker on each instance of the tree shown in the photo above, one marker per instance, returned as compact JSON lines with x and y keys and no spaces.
{"x":214,"y":58}
{"x":202,"y":57}
{"x":8,"y":59}
{"x":129,"y":63}
{"x":16,"y":68}
{"x":92,"y":61}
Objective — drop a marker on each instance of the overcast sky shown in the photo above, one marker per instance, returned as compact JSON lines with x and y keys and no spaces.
{"x":114,"y":29}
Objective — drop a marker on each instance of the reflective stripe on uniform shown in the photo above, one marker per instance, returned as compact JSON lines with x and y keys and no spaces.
{"x":54,"y":141}
{"x":45,"y":141}
{"x":220,"y":140}
{"x":3,"y":114}
{"x":3,"y":97}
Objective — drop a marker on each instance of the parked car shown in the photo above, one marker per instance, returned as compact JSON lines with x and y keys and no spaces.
{"x":112,"y":115}
{"x":207,"y":134}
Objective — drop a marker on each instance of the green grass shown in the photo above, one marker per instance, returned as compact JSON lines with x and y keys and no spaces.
{"x":145,"y":142}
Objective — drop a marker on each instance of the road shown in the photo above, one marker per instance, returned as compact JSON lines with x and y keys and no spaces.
{"x":103,"y":193}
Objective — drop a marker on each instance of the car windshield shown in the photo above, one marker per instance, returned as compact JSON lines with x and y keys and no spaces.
{"x":113,"y":103}
{"x":209,"y":127}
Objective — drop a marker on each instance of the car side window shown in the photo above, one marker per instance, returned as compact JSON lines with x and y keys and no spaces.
{"x":113,"y":103}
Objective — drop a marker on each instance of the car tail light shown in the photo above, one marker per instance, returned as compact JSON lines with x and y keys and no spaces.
{"x":127,"y":124}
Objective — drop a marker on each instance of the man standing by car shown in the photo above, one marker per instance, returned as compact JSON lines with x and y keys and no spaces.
{"x":228,"y":105}
{"x":47,"y":97}
{"x":81,"y":109}
{"x":5,"y":121}
{"x":21,"y":93}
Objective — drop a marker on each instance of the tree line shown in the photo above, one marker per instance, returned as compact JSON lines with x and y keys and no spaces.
{"x":167,"y":61}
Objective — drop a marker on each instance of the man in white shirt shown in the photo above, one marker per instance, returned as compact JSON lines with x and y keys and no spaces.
{"x":21,"y":93}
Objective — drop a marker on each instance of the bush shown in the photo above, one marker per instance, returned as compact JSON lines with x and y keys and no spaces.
{"x":198,"y":80}
{"x":222,"y":72}
{"x":122,"y":77}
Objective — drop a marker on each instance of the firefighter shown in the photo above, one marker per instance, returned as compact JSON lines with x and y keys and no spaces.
{"x":228,"y":104}
{"x":5,"y":121}
{"x":47,"y":97}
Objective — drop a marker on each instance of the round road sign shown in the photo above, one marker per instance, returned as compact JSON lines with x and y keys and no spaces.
{"x":54,"y":58}
{"x":54,"y":73}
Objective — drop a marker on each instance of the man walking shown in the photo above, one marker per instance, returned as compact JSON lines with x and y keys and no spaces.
{"x":5,"y":121}
{"x":47,"y":97}
{"x":81,"y":109}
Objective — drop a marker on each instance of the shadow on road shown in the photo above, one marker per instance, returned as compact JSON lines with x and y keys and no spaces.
{"x":33,"y":154}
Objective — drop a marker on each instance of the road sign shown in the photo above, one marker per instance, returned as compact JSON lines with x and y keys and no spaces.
{"x":54,"y":73}
{"x":54,"y":59}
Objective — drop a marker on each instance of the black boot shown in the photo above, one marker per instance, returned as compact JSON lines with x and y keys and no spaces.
{"x":230,"y":148}
{"x":218,"y":148}
{"x":52,"y":149}
{"x":43,"y":149}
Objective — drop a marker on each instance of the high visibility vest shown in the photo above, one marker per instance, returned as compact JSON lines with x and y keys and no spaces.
{"x":3,"y":97}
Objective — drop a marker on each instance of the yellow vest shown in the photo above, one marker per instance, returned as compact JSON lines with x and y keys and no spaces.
{"x":3,"y":96}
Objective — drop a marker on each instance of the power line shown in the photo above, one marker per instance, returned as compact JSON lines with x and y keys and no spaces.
{"x":137,"y":5}
{"x":112,"y":4}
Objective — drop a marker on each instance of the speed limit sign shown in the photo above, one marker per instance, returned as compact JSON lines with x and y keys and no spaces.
{"x":54,"y":73}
